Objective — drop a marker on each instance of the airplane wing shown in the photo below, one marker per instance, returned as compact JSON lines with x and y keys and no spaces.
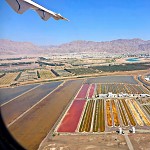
{"x":20,"y":6}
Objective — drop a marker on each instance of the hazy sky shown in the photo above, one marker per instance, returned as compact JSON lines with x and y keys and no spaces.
{"x":94,"y":20}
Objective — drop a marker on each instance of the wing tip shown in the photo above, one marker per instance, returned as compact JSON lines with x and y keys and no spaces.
{"x":66,"y":19}
{"x":61,"y":17}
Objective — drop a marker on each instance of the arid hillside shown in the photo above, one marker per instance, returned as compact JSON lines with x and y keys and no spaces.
{"x":120,"y":46}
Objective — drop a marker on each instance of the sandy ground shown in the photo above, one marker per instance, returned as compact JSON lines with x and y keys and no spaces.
{"x":86,"y":142}
{"x":140,"y":141}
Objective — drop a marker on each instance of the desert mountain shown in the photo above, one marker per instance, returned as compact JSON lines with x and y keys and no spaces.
{"x":12,"y":47}
{"x":120,"y":46}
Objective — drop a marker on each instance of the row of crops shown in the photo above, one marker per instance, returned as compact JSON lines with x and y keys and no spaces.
{"x":145,"y":103}
{"x":135,"y":113}
{"x":8,"y":78}
{"x":102,"y":114}
{"x":87,"y":118}
{"x":115,"y":114}
{"x":28,"y":75}
{"x":81,"y":71}
{"x":99,"y":118}
{"x":108,"y":113}
{"x":147,"y":109}
{"x":96,"y":124}
{"x":45,"y":74}
{"x":143,"y":116}
{"x":122,"y":67}
{"x":63,"y":73}
{"x":120,"y":88}
{"x":109,"y":68}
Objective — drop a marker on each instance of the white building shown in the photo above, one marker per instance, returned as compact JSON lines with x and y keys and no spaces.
{"x":147,"y":78}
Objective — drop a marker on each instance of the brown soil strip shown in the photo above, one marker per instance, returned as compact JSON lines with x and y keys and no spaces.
{"x":15,"y":108}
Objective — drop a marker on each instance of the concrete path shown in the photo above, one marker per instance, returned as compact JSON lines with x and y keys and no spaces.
{"x":130,"y":146}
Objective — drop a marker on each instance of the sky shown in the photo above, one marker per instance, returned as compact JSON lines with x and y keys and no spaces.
{"x":91,"y":20}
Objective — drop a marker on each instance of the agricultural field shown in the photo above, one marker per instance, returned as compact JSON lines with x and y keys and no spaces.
{"x":145,"y":103}
{"x":82,"y":71}
{"x":11,"y":111}
{"x":122,"y":67}
{"x":147,"y":109}
{"x":28,"y":75}
{"x":70,"y":121}
{"x":73,"y":108}
{"x":10,"y":93}
{"x":99,"y":117}
{"x":142,"y":114}
{"x":45,"y":74}
{"x":91,"y":91}
{"x":46,"y":103}
{"x":83,"y":92}
{"x":115,"y":114}
{"x":112,"y":79}
{"x":87,"y":118}
{"x":129,"y":114}
{"x":8,"y":78}
{"x":108,"y":114}
{"x":120,"y":88}
{"x":105,"y":115}
{"x":135,"y":113}
{"x":63,"y":73}
{"x":19,"y":67}
{"x":122,"y":114}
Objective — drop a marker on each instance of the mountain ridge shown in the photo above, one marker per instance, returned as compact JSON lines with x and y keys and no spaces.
{"x":119,"y":46}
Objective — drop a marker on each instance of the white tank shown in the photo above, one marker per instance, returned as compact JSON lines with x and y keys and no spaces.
{"x":133,"y":129}
{"x":120,"y":130}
